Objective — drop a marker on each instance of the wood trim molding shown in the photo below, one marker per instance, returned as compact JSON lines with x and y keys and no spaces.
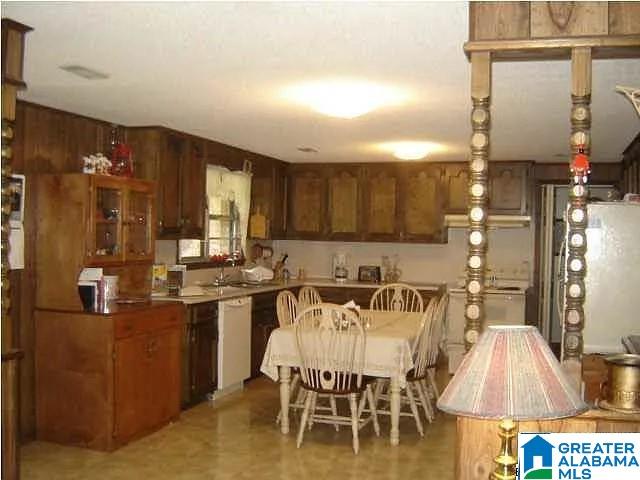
{"x":621,"y":46}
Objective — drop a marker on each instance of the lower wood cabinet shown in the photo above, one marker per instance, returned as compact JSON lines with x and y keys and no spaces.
{"x":264,"y":320}
{"x":360,"y":295}
{"x":200,"y":355}
{"x":105,"y":379}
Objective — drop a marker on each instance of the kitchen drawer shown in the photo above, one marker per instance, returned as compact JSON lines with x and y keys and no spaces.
{"x":150,"y":320}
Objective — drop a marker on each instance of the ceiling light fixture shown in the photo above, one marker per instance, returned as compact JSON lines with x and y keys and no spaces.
{"x":84,"y":72}
{"x":411,"y":150}
{"x":307,"y":150}
{"x":343,"y":98}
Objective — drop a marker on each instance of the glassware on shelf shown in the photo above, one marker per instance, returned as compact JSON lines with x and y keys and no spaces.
{"x":391,"y":271}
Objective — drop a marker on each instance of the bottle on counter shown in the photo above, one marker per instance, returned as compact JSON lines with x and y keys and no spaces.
{"x":278,"y":270}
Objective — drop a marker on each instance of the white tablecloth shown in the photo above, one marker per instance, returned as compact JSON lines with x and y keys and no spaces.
{"x":387,"y":350}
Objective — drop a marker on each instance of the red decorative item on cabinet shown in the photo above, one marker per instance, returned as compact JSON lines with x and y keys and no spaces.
{"x":121,"y":162}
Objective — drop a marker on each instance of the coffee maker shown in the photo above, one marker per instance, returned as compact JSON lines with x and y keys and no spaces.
{"x":339,"y":267}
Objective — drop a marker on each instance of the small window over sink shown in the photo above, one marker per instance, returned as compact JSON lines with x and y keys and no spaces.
{"x":226,"y":221}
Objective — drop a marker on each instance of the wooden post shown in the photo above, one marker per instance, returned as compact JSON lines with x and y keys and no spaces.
{"x":572,"y":343}
{"x":478,"y":168}
{"x":12,"y":63}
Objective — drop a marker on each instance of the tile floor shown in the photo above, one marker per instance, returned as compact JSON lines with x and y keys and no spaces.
{"x":237,"y":438}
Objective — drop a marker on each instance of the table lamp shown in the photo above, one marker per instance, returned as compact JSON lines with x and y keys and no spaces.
{"x":511,"y":374}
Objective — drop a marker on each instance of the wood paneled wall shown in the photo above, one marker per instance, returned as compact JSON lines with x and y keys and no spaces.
{"x":539,"y":20}
{"x":47,"y":141}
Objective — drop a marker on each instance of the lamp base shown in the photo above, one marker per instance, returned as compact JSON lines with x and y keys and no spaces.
{"x":506,"y":461}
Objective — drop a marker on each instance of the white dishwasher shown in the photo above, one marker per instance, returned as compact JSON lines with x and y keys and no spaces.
{"x":234,"y":344}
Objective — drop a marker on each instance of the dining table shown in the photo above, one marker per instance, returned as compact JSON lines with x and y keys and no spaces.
{"x":389,"y":337}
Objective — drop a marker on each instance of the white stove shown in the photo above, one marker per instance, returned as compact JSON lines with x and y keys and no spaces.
{"x":504,"y":305}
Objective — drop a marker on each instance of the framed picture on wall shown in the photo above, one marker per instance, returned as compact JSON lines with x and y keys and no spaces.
{"x":16,"y":199}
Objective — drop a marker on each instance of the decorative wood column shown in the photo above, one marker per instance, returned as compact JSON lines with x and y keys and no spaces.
{"x":478,"y":196}
{"x":12,"y":63}
{"x":573,"y":317}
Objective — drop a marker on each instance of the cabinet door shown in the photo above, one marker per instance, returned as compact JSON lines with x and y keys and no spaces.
{"x":456,"y":187}
{"x":192,"y":193}
{"x":169,"y":218}
{"x":344,"y":202}
{"x":204,"y":358}
{"x":138,"y":224}
{"x":307,"y":196}
{"x":105,"y":244}
{"x":421,"y":207}
{"x":147,"y":381}
{"x":262,"y":199}
{"x":279,"y":204}
{"x":508,"y":192}
{"x":380,"y":206}
{"x":263,"y":322}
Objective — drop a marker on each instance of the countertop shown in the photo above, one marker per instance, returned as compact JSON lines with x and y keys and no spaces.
{"x":214,"y":294}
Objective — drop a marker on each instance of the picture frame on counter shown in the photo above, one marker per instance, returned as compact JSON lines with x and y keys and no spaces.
{"x":369,"y":273}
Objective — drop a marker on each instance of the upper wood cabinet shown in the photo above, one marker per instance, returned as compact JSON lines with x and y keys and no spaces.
{"x":508,"y":188}
{"x":456,"y":187}
{"x":92,"y":220}
{"x":421,"y":206}
{"x":381,"y":202}
{"x":344,"y":199}
{"x":177,"y":163}
{"x":192,"y":194}
{"x":266,"y":219}
{"x":307,"y":192}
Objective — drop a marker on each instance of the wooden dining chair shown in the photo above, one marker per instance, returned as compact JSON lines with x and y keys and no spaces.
{"x":286,"y":310}
{"x":436,"y":340}
{"x":397,"y":297}
{"x":308,"y":296}
{"x":286,"y":307}
{"x":413,"y":393}
{"x":331,"y":347}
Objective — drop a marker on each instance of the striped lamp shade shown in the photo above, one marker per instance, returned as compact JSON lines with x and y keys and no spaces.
{"x":511,"y":373}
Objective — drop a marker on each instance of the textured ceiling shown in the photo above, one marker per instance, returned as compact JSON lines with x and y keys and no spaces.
{"x":215,"y":69}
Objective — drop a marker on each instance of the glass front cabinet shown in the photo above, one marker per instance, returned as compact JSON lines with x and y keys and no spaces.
{"x":120,"y":221}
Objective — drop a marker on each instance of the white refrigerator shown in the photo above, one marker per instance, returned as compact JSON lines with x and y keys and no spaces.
{"x":612,"y":282}
{"x":551,"y":241}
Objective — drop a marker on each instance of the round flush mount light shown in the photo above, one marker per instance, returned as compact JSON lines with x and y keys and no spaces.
{"x":343,"y":98}
{"x":411,"y":150}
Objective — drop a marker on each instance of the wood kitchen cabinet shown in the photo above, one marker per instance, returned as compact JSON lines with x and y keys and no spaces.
{"x":200,"y":353}
{"x":307,"y":199}
{"x":344,"y":202}
{"x":267,"y":198}
{"x":263,"y":321}
{"x":456,"y":187}
{"x":380,"y":207}
{"x":360,"y":295}
{"x":176,"y":162}
{"x":421,"y":204}
{"x":105,"y":379}
{"x":509,"y":188}
{"x":92,"y":221}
